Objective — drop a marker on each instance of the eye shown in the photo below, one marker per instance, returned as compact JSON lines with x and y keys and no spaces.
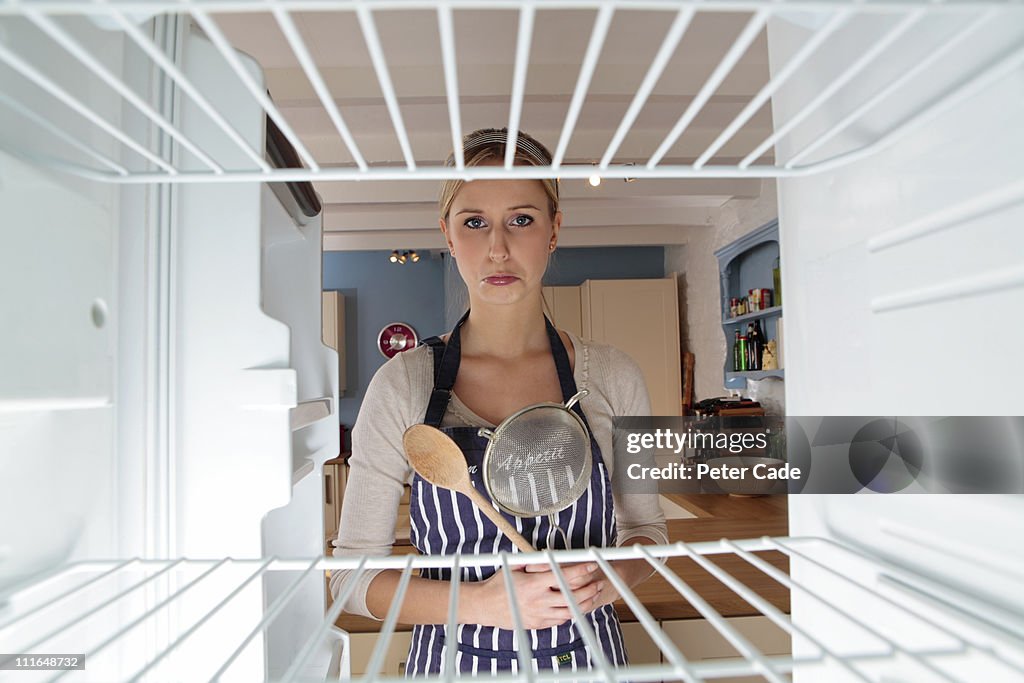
{"x":522,"y":220}
{"x":475,"y":223}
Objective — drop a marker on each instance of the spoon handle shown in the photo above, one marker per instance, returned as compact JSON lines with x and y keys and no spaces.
{"x":503,"y":524}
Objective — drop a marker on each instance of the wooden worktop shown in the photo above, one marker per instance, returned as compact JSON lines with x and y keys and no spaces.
{"x":716,"y":517}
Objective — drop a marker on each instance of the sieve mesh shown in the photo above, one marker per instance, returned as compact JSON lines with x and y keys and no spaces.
{"x":538,"y":462}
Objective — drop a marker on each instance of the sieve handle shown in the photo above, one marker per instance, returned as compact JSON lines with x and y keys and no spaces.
{"x":572,"y":401}
{"x":504,"y":526}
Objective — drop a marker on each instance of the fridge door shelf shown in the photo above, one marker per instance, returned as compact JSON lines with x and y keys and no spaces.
{"x":885,"y":623}
{"x":830,"y":33}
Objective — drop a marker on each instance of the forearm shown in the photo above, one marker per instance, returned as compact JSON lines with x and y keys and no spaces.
{"x":426,"y":600}
{"x":632,"y":572}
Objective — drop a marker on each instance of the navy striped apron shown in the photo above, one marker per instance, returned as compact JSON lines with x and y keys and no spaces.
{"x":443,"y":522}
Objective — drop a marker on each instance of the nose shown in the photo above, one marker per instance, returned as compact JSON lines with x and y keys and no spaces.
{"x":499,"y":246}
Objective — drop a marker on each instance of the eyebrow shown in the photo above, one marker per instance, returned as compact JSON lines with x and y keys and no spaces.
{"x":513,"y":208}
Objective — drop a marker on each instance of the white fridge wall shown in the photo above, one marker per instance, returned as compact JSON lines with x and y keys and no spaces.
{"x":59,"y":318}
{"x":920,"y":327}
{"x":232,"y":381}
{"x":291,"y":292}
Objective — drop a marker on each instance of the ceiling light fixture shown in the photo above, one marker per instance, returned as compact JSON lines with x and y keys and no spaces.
{"x":403,"y":256}
{"x":594,"y":180}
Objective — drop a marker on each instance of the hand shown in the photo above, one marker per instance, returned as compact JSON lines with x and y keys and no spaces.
{"x":632,"y":572}
{"x":541,"y":602}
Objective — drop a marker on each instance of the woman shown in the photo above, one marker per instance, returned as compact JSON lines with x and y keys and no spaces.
{"x":502,"y":356}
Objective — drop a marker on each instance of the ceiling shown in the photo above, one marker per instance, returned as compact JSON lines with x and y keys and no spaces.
{"x":386,"y":215}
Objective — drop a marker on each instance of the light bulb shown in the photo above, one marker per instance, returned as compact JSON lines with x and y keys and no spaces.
{"x":594,"y":180}
{"x":414,"y":256}
{"x":394,"y":257}
{"x":401,"y":258}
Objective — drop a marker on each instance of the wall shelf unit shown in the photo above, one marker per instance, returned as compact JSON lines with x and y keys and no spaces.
{"x":747,"y":264}
{"x":752,"y":374}
{"x":774,"y":311}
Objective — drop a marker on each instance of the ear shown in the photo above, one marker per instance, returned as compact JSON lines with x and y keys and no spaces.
{"x":444,"y":231}
{"x":556,"y":225}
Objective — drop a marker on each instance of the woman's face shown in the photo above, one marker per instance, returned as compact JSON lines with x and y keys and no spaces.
{"x":500,"y":233}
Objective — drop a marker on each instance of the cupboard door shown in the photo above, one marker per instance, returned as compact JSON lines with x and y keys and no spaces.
{"x":564,"y":303}
{"x":332,"y":506}
{"x":333,"y":317}
{"x":698,"y":640}
{"x":640,"y":647}
{"x":640,"y":318}
{"x":394,"y":658}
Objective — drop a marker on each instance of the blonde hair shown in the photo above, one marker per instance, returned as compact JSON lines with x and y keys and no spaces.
{"x":488,"y":144}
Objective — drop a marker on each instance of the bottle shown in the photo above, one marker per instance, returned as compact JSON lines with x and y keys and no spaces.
{"x":757,"y":342}
{"x":744,"y":356}
{"x":736,"y":353}
{"x":777,"y":282}
{"x":751,"y":365}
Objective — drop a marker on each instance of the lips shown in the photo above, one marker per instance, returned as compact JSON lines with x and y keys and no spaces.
{"x":501,"y":280}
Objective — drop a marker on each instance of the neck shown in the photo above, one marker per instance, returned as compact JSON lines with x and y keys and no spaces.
{"x":506,"y":331}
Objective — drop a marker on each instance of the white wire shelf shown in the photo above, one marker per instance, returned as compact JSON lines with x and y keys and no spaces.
{"x":183,"y":619}
{"x":141,"y":161}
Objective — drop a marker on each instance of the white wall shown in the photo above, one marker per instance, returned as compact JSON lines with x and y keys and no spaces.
{"x":697,"y":269}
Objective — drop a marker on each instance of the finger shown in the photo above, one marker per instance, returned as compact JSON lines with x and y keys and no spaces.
{"x":580,"y":575}
{"x":581,"y":569}
{"x":583,"y":597}
{"x":558,"y":616}
{"x":534,"y":568}
{"x":585,"y":579}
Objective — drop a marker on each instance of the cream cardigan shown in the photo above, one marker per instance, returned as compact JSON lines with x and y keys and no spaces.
{"x":397,"y":397}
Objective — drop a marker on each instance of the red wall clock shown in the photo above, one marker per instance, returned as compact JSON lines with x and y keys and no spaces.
{"x":395,"y":338}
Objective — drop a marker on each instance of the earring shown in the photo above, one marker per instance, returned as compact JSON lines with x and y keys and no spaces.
{"x":552,"y":247}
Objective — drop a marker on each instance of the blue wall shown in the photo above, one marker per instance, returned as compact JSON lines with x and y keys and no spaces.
{"x":378,"y":292}
{"x":571,"y":266}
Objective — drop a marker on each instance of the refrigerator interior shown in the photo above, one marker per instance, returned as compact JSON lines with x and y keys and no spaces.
{"x":166,"y":402}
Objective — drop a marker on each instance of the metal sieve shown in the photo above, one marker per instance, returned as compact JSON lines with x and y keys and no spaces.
{"x":538,"y":460}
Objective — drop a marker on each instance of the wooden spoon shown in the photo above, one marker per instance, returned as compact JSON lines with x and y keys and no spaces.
{"x":438,"y":460}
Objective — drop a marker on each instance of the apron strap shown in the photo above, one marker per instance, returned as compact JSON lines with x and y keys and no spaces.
{"x":446,"y":367}
{"x":447,"y":358}
{"x":565,"y":377}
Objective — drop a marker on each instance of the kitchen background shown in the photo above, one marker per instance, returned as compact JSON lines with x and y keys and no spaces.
{"x":426,"y":296}
{"x":668,"y":226}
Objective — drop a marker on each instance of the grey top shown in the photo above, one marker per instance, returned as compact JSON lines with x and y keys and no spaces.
{"x":397,"y":398}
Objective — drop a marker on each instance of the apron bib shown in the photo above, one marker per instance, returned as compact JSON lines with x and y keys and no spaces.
{"x":446,"y":523}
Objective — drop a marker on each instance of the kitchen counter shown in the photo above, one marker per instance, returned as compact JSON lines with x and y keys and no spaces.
{"x":716,"y":517}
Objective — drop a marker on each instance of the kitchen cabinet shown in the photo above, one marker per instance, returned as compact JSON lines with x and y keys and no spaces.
{"x":743,"y":265}
{"x":641,"y":318}
{"x":565,"y":308}
{"x":362,"y":647}
{"x":698,"y":640}
{"x":335,"y":477}
{"x":333,"y":317}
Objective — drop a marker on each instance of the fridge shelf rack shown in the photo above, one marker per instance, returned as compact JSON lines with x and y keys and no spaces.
{"x":156,"y":613}
{"x":108,"y":153}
